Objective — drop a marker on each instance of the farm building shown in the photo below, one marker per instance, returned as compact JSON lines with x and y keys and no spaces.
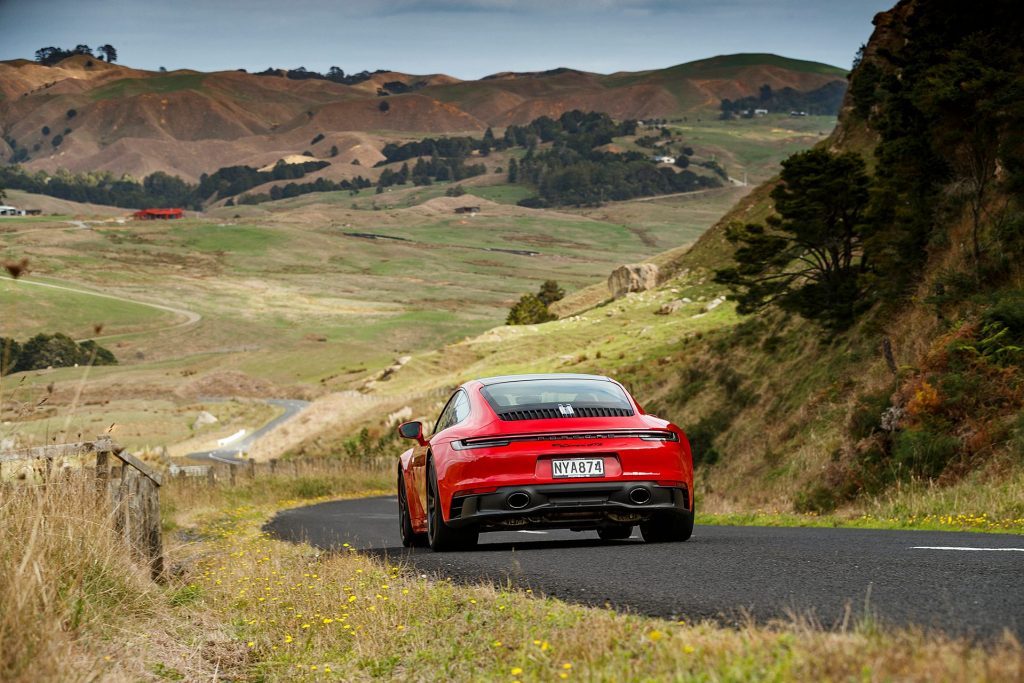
{"x":11,"y":211}
{"x":158,"y":214}
{"x":467,"y":209}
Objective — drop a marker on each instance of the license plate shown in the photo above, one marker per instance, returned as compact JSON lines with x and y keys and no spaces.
{"x":577,"y":467}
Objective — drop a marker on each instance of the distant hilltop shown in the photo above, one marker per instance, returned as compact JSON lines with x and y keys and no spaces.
{"x":83,"y":112}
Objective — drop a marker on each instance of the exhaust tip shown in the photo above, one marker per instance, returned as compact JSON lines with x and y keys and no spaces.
{"x":518,"y":500}
{"x":640,"y":495}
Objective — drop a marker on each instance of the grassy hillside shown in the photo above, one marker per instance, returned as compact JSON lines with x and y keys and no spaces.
{"x":314,"y":294}
{"x":911,"y":412}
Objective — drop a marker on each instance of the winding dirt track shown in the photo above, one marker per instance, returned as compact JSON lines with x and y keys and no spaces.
{"x":190,"y":317}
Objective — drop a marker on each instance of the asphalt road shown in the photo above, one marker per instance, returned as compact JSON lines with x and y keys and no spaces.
{"x":960,"y":583}
{"x":229,"y":453}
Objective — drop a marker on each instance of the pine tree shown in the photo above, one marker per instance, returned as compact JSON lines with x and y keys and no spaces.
{"x":810,"y":257}
{"x":529,"y":310}
{"x":550,"y":292}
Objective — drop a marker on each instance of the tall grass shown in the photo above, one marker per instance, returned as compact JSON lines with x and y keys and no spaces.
{"x":67,"y":581}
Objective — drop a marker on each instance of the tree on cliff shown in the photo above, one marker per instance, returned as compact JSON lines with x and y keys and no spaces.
{"x":809,"y":257}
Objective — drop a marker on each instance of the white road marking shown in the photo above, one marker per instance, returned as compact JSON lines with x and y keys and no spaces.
{"x":951,"y":547}
{"x":529,"y":531}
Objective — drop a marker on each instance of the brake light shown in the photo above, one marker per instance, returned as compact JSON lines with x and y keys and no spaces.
{"x":654,"y":435}
{"x":466,"y":444}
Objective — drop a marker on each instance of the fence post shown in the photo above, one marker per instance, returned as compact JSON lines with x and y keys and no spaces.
{"x":149,"y":525}
{"x":252,"y":468}
{"x":211,"y":478}
{"x":273,"y":466}
{"x":295,"y":467}
{"x":231,"y":473}
{"x":102,"y":473}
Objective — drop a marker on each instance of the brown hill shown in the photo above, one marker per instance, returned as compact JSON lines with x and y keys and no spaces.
{"x":85,"y":114}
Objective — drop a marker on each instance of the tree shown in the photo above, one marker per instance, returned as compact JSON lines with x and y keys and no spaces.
{"x":82,"y":49}
{"x":108,"y":51}
{"x":384,"y":106}
{"x":529,"y":310}
{"x":550,"y":292}
{"x":513,"y":170}
{"x":810,"y":258}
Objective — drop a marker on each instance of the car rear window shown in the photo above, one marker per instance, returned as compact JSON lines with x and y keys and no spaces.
{"x":550,"y":393}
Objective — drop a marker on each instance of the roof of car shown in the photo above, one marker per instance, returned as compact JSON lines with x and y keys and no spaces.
{"x":487,"y":381}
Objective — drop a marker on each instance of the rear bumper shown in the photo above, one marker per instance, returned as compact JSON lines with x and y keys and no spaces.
{"x":577,"y":505}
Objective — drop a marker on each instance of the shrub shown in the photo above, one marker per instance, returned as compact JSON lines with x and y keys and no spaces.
{"x":72,"y":113}
{"x":1009,"y":313}
{"x":818,"y":499}
{"x":866,"y":417}
{"x":703,"y":434}
{"x":529,"y":310}
{"x":923,"y":451}
{"x":311,"y":487}
{"x":57,"y":139}
{"x":46,"y":130}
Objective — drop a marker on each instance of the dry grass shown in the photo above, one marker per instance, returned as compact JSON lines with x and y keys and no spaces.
{"x":306,"y":615}
{"x":73,"y":603}
{"x":242,"y":606}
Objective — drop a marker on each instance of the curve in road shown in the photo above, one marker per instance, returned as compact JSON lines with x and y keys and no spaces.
{"x":931,"y":579}
{"x":229,"y":454}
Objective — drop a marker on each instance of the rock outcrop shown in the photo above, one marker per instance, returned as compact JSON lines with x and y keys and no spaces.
{"x":636,"y":277}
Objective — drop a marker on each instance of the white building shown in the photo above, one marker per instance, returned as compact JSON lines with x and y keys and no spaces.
{"x":11,"y":211}
{"x":663,"y":160}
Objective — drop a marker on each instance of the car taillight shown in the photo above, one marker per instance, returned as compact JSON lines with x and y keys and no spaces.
{"x":466,"y":444}
{"x":659,"y":436}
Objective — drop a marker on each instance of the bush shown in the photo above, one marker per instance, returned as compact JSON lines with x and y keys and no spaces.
{"x":72,"y":113}
{"x":529,"y":310}
{"x":1009,"y":313}
{"x":818,"y":499}
{"x":311,"y":487}
{"x":924,"y":452}
{"x":51,"y":350}
{"x":866,"y":417}
{"x":57,"y":139}
{"x":703,"y":434}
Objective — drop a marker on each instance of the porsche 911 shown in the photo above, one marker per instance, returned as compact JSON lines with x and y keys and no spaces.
{"x":555,"y":451}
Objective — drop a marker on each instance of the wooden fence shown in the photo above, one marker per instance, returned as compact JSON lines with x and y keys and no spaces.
{"x":231,"y":473}
{"x":130,"y":488}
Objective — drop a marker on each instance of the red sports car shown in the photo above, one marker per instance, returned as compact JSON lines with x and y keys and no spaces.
{"x":540,"y":452}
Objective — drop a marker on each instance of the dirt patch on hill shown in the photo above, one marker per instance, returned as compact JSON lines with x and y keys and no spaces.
{"x":228,"y":383}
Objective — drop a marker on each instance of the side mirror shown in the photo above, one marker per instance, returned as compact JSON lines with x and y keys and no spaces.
{"x":412,"y":430}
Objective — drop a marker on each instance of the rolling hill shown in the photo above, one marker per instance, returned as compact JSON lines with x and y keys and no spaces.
{"x":83,"y":114}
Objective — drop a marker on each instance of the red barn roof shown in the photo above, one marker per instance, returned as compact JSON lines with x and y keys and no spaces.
{"x":150,"y":214}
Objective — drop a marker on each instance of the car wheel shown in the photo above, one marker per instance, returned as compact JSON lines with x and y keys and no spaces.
{"x":410,"y":538}
{"x":614,"y":533}
{"x":668,"y":527}
{"x":440,"y":536}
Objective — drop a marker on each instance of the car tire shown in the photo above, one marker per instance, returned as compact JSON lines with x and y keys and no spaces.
{"x":617,"y":532}
{"x":440,"y":536}
{"x":410,"y":539}
{"x":668,"y":527}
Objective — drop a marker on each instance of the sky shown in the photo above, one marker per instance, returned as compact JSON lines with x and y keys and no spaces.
{"x":463,"y":38}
